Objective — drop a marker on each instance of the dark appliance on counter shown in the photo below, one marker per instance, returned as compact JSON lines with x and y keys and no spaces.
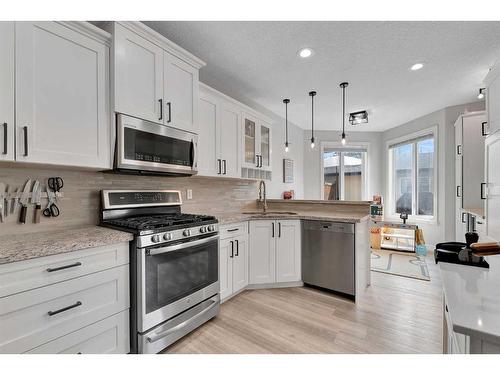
{"x":460,"y":252}
{"x":144,"y":147}
{"x":174,"y":265}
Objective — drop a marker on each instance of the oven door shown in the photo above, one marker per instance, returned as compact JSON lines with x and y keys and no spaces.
{"x":146,"y":146}
{"x":175,"y":278}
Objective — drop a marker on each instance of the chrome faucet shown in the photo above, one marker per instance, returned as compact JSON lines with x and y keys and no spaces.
{"x":262,"y":194}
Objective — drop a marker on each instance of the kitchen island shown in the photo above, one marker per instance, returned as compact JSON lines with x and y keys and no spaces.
{"x":471,"y":307}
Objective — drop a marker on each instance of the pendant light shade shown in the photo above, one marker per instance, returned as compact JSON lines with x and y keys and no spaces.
{"x":343,"y":85}
{"x":312,"y":94}
{"x":286,"y":101}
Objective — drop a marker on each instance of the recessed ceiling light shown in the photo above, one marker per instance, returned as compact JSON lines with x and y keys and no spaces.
{"x":305,"y":52}
{"x":417,"y":66}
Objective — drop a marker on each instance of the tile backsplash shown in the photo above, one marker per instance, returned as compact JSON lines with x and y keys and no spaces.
{"x":81,"y":205}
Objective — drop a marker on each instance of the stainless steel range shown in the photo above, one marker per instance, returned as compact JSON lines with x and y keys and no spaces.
{"x":174,"y":259}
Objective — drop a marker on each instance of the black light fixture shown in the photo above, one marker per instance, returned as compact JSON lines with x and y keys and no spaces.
{"x":312,"y":94}
{"x":286,"y":101}
{"x":343,"y":85}
{"x":360,"y":117}
{"x":481,"y":93}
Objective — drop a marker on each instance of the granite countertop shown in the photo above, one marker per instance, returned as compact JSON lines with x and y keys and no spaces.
{"x":473,"y":298}
{"x":320,"y":202}
{"x":344,"y":217}
{"x":18,"y":247}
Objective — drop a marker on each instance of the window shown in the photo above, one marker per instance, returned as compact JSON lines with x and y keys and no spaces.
{"x":413,"y":176}
{"x":344,"y":174}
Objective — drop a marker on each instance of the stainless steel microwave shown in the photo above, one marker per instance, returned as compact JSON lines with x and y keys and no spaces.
{"x":147,"y":147}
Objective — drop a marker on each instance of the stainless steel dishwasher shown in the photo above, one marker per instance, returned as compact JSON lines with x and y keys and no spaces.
{"x":328,"y":255}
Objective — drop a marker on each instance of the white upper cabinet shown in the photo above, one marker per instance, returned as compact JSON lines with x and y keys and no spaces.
{"x":180,"y":94}
{"x":138,"y":76}
{"x":492,"y":153}
{"x":493,"y":100}
{"x":7,"y":125}
{"x":62,"y":91}
{"x":155,"y":79}
{"x":219,"y":136}
{"x":229,"y":140}
{"x":257,"y":148}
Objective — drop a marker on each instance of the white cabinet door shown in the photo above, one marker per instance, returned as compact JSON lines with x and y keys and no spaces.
{"x":180,"y":94}
{"x":288,"y":245}
{"x":208,"y":156}
{"x":62,"y":90}
{"x":265,"y":154}
{"x":492,"y":151}
{"x":138,"y":76}
{"x":230,"y":118}
{"x":7,"y":91}
{"x":240,"y":263}
{"x":458,"y":178}
{"x":250,"y":140}
{"x":262,"y":257}
{"x":493,"y":105}
{"x":225,"y":268}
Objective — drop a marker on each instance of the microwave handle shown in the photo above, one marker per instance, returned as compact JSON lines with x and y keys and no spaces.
{"x":193,"y":153}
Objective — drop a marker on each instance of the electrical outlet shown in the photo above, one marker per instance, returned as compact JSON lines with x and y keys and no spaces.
{"x":189,"y":194}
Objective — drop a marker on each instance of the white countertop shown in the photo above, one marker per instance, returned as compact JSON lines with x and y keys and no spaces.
{"x":473,"y":298}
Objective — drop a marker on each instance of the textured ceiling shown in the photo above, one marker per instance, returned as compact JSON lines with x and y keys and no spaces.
{"x":257,"y":62}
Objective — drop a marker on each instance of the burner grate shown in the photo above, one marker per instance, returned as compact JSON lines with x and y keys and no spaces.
{"x":158,"y":221}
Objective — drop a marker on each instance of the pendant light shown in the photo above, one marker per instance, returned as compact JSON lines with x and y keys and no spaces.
{"x":286,"y":101}
{"x":312,"y":94}
{"x":343,"y":85}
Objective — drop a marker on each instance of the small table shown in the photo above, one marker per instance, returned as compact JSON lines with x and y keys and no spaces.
{"x":401,"y":237}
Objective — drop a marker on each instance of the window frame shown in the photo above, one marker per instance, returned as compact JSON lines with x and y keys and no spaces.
{"x":337,"y":146}
{"x":391,"y":202}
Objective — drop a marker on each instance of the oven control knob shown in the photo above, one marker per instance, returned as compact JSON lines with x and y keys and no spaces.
{"x":186,"y":233}
{"x":155,"y":238}
{"x":211,"y":228}
{"x":167,"y":236}
{"x":203,"y":229}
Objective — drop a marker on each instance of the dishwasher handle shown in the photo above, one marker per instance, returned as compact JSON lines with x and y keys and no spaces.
{"x":328,"y":226}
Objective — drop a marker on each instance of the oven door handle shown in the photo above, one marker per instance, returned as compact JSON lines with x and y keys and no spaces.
{"x":167,"y":332}
{"x":162,"y":250}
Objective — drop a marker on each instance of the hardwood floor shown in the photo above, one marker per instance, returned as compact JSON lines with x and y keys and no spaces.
{"x":396,"y":315}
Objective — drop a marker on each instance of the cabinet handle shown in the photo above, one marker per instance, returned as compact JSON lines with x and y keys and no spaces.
{"x":225,"y":166}
{"x":459,"y":150}
{"x":219,"y":167}
{"x":233,"y":230}
{"x":169,"y":112}
{"x":279,"y":229}
{"x":78,"y":303}
{"x":64,"y":267}
{"x":483,"y":129}
{"x":273,"y":230}
{"x":232,"y":250}
{"x":25,"y":131}
{"x":260,"y":157}
{"x":446,"y":308}
{"x":483,"y":184}
{"x":5,"y":138}
{"x":161,"y":109}
{"x":257,"y":161}
{"x":458,"y":192}
{"x":237,"y":247}
{"x":463,"y":220}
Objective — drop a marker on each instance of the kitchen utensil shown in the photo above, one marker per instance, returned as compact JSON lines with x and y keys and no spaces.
{"x":35,"y":199}
{"x":13,"y":203}
{"x":51,"y":210}
{"x":485,"y":248}
{"x":55,"y":183}
{"x":24,"y":201}
{"x":2,"y":194}
{"x":471,"y":237}
{"x":6,"y":201}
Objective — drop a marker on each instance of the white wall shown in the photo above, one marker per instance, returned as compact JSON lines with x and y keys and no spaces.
{"x":444,"y":229}
{"x":312,"y":159}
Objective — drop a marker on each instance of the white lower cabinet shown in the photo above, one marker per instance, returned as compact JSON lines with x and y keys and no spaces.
{"x":275,"y":247}
{"x":233,"y":260}
{"x":65,"y":303}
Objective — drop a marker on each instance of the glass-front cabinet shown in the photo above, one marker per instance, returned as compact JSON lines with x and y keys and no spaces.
{"x":256,"y":143}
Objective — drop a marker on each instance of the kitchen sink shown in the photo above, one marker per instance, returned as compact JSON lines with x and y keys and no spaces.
{"x":270,"y":213}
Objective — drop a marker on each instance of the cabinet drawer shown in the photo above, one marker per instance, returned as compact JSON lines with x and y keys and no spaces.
{"x":108,"y":336}
{"x":38,"y":316}
{"x":233,"y":230}
{"x":34,"y":273}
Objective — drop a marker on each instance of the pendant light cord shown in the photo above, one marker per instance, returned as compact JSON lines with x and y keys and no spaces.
{"x":286,"y":122}
{"x":312,"y":94}
{"x":343,"y":109}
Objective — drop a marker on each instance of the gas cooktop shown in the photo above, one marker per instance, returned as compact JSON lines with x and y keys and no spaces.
{"x":153,"y":223}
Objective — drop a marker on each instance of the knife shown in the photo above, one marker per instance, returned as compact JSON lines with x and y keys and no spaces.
{"x":2,"y":192}
{"x":13,"y":204}
{"x":24,"y":201}
{"x":34,"y":196}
